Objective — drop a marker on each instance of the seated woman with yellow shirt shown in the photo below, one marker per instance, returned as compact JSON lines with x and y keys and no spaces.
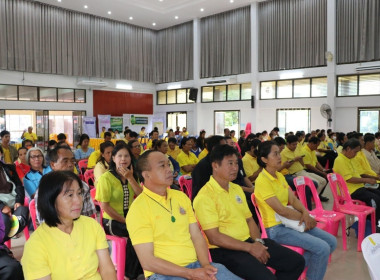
{"x":186,"y":159}
{"x":251,"y":168}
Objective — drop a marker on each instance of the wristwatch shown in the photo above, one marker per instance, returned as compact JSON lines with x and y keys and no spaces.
{"x":260,"y":240}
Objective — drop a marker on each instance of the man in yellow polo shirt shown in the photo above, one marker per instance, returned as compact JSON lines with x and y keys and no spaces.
{"x":163,"y":229}
{"x":154,"y":137}
{"x":10,"y":153}
{"x":233,"y":236}
{"x":30,"y":135}
{"x":173,"y":150}
{"x":346,"y":166}
{"x":186,"y":159}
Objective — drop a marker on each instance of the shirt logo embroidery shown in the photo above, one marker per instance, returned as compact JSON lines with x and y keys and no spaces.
{"x":238,"y":199}
{"x":182,"y":211}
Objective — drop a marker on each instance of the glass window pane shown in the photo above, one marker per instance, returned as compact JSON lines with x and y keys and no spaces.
{"x":80,"y":95}
{"x":369,"y":84}
{"x":347,"y":85}
{"x":246,"y":91}
{"x":161,"y":97}
{"x":233,"y":92}
{"x":293,"y":120}
{"x":319,"y":87}
{"x":188,"y":94}
{"x":171,"y":96}
{"x":369,"y":121}
{"x":220,"y":93}
{"x":207,"y":94}
{"x":268,"y":90}
{"x":284,"y":89}
{"x":302,"y":88}
{"x":48,"y":94}
{"x":65,"y":95}
{"x":8,"y":92}
{"x":181,"y":95}
{"x":226,"y":119}
{"x":27,"y":93}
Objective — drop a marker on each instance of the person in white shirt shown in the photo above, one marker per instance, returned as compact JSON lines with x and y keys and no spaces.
{"x":369,"y":151}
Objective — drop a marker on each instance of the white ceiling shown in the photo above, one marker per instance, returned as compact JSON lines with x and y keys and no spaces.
{"x":147,"y":12}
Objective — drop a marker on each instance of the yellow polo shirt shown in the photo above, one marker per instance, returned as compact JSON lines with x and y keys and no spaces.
{"x":267,"y":186}
{"x":184,"y":159}
{"x":365,"y":168}
{"x":287,"y":155}
{"x":234,"y":139}
{"x":226,"y":210}
{"x":174,"y":153}
{"x":93,"y":159}
{"x":348,"y":169}
{"x":50,"y":251}
{"x":250,"y":164}
{"x":203,"y":154}
{"x":7,"y":155}
{"x":323,"y":145}
{"x":30,"y":136}
{"x":148,"y":222}
{"x":310,"y":156}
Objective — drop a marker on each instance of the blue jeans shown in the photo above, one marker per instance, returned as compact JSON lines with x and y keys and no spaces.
{"x":318,"y":245}
{"x":223,"y":273}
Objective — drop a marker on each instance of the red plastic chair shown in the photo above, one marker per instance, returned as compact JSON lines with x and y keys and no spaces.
{"x":32,"y":211}
{"x":119,"y":244}
{"x":82,"y":164}
{"x":330,"y":218}
{"x":186,"y":185}
{"x":299,"y":250}
{"x":26,"y":230}
{"x":344,"y":204}
{"x":89,"y":178}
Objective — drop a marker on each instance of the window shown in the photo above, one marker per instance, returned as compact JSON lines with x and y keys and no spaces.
{"x":48,"y":94}
{"x":222,"y":93}
{"x":8,"y":92}
{"x":174,"y":119}
{"x":65,"y":95}
{"x":369,"y":84}
{"x":369,"y":120}
{"x":297,"y":88}
{"x":174,"y":96}
{"x":226,"y":119}
{"x":347,"y":85}
{"x":293,"y":120}
{"x":354,"y":85}
{"x":80,"y":96}
{"x":27,"y":93}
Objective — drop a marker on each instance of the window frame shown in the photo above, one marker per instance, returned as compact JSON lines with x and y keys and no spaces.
{"x":188,"y":101}
{"x":294,"y":109}
{"x":366,"y":108}
{"x":358,"y":85}
{"x":227,"y":86}
{"x":216,"y":111}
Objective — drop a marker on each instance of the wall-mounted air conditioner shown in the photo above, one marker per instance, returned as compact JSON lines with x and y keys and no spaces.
{"x":231,"y":80}
{"x":89,"y":83}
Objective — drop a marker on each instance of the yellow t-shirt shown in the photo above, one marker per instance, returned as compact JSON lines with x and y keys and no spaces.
{"x":99,"y":170}
{"x":174,"y":153}
{"x":234,"y":139}
{"x":184,"y":159}
{"x":267,"y":186}
{"x":339,"y":149}
{"x":226,"y":210}
{"x":93,"y":159}
{"x":149,"y":145}
{"x":148,"y":222}
{"x":323,"y":145}
{"x":250,"y":164}
{"x":50,"y":251}
{"x":185,"y":134}
{"x":365,"y":168}
{"x":30,"y":136}
{"x":348,"y":169}
{"x":109,"y":189}
{"x":203,"y":154}
{"x":7,"y":155}
{"x":310,"y":156}
{"x":287,"y":155}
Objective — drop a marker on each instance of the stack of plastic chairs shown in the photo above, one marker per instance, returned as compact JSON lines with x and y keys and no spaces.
{"x":371,"y":253}
{"x":344,"y":204}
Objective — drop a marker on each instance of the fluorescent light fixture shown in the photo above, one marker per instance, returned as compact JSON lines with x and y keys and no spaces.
{"x":109,"y":12}
{"x":174,"y":86}
{"x":291,"y":75}
{"x":131,"y":18}
{"x":154,"y":24}
{"x":85,"y":6}
{"x":202,"y":9}
{"x":176,"y":17}
{"x":124,"y":86}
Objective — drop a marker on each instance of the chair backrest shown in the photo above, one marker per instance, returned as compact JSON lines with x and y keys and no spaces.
{"x":339,"y":190}
{"x":186,"y":185}
{"x":263,"y":231}
{"x":89,"y":178}
{"x":82,"y":164}
{"x":97,"y":203}
{"x":301,"y":182}
{"x":371,"y":253}
{"x":32,"y":211}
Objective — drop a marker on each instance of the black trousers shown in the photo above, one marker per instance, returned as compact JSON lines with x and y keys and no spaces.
{"x":287,"y":263}
{"x":10,"y":268}
{"x":367,"y":195}
{"x":22,"y":214}
{"x":132,"y":265}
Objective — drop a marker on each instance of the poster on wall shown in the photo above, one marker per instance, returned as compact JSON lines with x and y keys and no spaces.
{"x":136,"y":122}
{"x":89,"y":126}
{"x":117,"y":123}
{"x":104,"y":120}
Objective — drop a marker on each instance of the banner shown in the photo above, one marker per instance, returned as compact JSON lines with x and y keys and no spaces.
{"x":104,"y":120}
{"x":89,"y":126}
{"x":136,"y":122}
{"x":117,"y":123}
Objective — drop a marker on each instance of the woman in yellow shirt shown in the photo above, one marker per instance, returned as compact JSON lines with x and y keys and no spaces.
{"x":67,"y":245}
{"x":273,"y":196}
{"x":102,"y":165}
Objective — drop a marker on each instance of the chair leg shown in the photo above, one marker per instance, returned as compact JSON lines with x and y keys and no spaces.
{"x":361,"y":231}
{"x":344,"y":236}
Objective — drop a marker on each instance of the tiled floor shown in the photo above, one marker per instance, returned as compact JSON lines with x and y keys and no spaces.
{"x":345,"y":265}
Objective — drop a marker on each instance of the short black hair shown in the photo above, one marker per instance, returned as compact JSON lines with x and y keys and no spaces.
{"x":279,"y":141}
{"x":276,"y":129}
{"x":377,"y":134}
{"x":263,"y":151}
{"x":26,"y":141}
{"x":51,"y":185}
{"x":221,"y":151}
{"x":130,"y":143}
{"x":158,"y":143}
{"x":107,"y":134}
{"x":314,"y":140}
{"x":351,"y":143}
{"x":53,"y":154}
{"x":133,"y":134}
{"x":254,"y":143}
{"x":172,"y":140}
{"x":3,"y":133}
{"x":291,"y":139}
{"x":213,"y":141}
{"x":184,"y":140}
{"x":127,"y":131}
{"x":369,"y":138}
{"x":61,"y":136}
{"x":143,"y":163}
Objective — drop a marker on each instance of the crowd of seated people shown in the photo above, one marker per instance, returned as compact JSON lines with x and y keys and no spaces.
{"x":134,"y":175}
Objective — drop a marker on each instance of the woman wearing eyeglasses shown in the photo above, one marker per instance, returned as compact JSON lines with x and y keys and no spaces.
{"x":35,"y":158}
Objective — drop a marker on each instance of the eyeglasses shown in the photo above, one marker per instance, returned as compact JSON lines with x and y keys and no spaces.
{"x":36,"y":156}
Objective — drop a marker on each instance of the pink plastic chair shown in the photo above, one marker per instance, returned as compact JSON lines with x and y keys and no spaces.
{"x":344,"y":204}
{"x":299,"y":250}
{"x":330,"y":218}
{"x":186,"y":185}
{"x":119,"y":244}
{"x":82,"y":164}
{"x":32,"y":211}
{"x":89,"y":178}
{"x":26,"y":230}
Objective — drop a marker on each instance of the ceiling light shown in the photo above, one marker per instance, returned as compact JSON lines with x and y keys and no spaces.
{"x":160,"y":0}
{"x":231,"y":1}
{"x":131,"y":18}
{"x":124,"y":86}
{"x":202,"y":9}
{"x":85,"y":6}
{"x":154,"y":24}
{"x":59,"y":0}
{"x":176,"y":17}
{"x":109,"y":12}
